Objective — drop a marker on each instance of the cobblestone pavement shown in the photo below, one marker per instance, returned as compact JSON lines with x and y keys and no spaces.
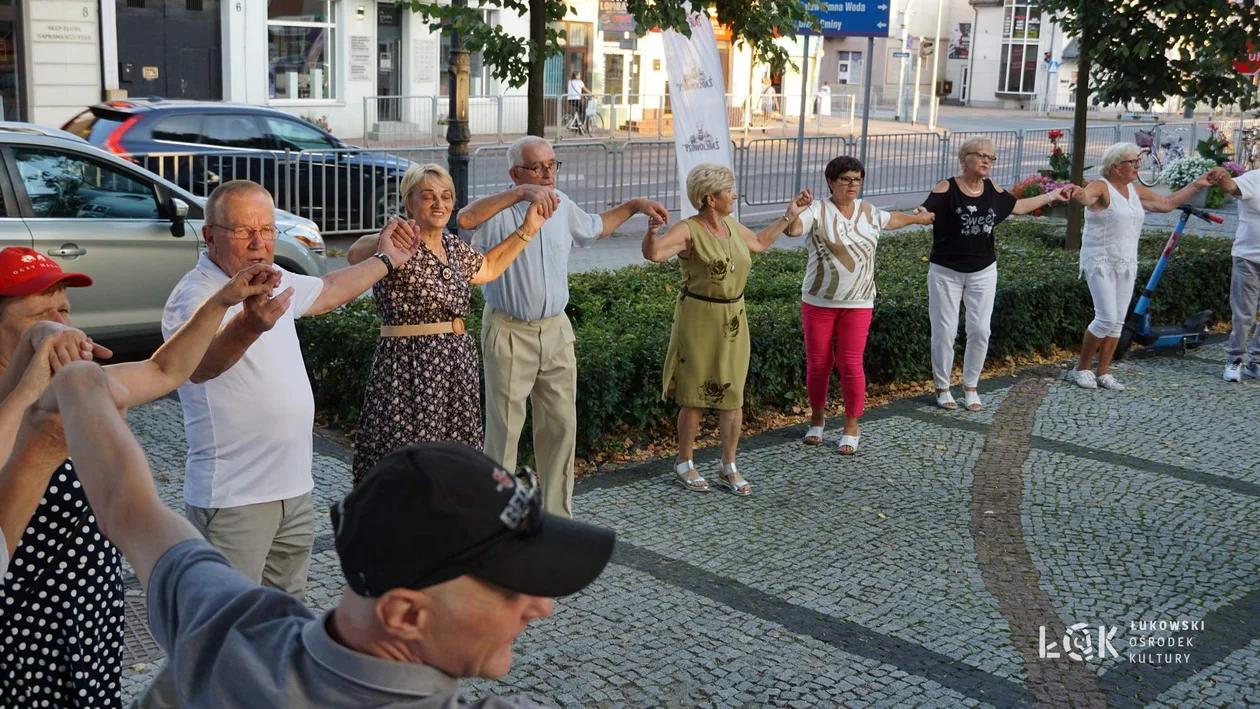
{"x":920,"y":572}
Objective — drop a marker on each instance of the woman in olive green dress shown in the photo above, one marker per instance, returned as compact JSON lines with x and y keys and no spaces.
{"x":707,"y":361}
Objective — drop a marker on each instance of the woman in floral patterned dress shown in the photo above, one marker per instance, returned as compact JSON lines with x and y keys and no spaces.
{"x":424,"y":384}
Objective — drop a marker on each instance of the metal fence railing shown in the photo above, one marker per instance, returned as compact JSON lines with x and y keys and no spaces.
{"x":354,"y":190}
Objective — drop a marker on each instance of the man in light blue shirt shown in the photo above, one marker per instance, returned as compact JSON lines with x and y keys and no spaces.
{"x":526,"y":338}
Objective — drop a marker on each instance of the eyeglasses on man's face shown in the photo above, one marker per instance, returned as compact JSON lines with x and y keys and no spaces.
{"x":244,"y":233}
{"x":543,"y":168}
{"x":984,"y":157}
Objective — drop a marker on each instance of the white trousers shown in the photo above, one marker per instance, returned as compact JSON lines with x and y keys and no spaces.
{"x":1112,"y":290}
{"x":947,"y":289}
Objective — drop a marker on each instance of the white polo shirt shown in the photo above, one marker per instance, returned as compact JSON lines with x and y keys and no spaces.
{"x":1247,"y":240}
{"x":248,"y":429}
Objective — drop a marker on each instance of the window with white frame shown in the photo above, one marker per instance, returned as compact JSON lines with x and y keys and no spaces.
{"x":300,"y":49}
{"x":1021,"y":40}
{"x":480,"y":80}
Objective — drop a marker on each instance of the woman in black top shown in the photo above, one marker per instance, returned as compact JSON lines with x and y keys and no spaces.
{"x":964,"y":264}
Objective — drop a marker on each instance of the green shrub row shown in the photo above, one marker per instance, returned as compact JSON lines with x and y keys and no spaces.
{"x":622,"y":321}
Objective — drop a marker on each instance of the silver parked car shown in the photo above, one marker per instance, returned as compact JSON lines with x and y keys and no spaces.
{"x":133,"y":232}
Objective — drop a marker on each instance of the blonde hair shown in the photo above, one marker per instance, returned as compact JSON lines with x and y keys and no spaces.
{"x":707,"y":179}
{"x":417,"y":174}
{"x":1114,"y":155}
{"x":971,"y":144}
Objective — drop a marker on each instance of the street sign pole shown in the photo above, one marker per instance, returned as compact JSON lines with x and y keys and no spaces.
{"x":800,"y":128}
{"x":866,"y":100}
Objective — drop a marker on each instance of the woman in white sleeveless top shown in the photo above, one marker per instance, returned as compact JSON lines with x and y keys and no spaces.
{"x":1115,"y":208}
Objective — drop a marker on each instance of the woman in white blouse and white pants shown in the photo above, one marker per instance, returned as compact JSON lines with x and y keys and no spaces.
{"x":1115,"y":206}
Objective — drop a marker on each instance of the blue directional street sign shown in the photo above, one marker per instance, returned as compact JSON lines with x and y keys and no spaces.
{"x":867,"y":18}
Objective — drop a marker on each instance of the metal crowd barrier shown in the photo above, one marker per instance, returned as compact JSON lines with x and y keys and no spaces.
{"x":354,"y":190}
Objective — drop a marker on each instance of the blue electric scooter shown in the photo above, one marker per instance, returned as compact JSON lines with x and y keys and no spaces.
{"x":1188,"y":335}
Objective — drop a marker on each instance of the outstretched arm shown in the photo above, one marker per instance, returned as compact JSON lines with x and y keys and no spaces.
{"x":179,"y":357}
{"x":677,"y":240}
{"x":757,"y":243}
{"x":1160,"y":204}
{"x":618,"y":215}
{"x":897,"y":220}
{"x":479,"y":211}
{"x":112,"y":468}
{"x":1094,"y":193}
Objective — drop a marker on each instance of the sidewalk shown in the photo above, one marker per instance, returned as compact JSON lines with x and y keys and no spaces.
{"x":917,"y":573}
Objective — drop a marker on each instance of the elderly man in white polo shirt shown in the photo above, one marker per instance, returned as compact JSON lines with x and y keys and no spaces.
{"x":249,"y":409}
{"x":527,"y":340}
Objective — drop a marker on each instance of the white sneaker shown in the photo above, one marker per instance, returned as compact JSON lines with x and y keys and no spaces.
{"x":1252,"y":370}
{"x":1084,"y":379}
{"x":1107,"y":381}
{"x":1233,"y":371}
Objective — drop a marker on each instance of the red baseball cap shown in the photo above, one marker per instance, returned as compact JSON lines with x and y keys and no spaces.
{"x":26,"y":271}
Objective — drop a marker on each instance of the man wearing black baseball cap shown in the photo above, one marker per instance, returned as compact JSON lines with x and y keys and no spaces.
{"x":447,"y":557}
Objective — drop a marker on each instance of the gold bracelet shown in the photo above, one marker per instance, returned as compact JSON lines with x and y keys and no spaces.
{"x":521,"y":235}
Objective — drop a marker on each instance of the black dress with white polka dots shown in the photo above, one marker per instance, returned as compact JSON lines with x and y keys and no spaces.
{"x":61,"y":607}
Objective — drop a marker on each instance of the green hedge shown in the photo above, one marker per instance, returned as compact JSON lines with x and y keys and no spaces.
{"x":622,"y":321}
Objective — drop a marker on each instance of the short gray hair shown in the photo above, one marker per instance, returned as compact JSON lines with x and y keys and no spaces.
{"x":516,"y":151}
{"x":971,"y":144}
{"x":227,"y":191}
{"x":1114,"y":155}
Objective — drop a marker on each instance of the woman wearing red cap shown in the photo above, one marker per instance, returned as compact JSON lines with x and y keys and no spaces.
{"x":62,"y":597}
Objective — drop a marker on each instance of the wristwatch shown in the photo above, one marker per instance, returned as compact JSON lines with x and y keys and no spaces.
{"x":389,"y":265}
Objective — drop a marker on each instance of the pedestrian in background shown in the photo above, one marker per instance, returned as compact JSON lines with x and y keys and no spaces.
{"x":1244,"y":283}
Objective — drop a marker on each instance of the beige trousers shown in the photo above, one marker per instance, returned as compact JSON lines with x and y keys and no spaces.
{"x":532,"y":360}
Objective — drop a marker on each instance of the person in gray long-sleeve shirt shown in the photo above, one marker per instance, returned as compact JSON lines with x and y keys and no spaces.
{"x":447,"y":557}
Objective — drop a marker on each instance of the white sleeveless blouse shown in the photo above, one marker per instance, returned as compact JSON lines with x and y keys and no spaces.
{"x":1111,"y":235}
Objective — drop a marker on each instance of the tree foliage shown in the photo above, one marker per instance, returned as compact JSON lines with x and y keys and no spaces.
{"x":756,"y":23}
{"x":1145,"y":51}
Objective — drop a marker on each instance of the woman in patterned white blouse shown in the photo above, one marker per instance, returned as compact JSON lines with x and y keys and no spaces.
{"x":838,"y":292}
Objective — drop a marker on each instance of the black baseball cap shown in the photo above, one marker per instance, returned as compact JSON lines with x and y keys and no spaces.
{"x":430,"y":512}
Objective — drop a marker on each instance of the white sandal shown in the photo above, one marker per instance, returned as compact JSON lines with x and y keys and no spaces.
{"x":945,"y":400}
{"x":851,"y":442}
{"x":813,"y":432}
{"x":696,"y":484}
{"x":743,"y":489}
{"x":972,"y":400}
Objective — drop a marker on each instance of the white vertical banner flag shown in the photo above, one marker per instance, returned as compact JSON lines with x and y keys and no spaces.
{"x":698,"y":97}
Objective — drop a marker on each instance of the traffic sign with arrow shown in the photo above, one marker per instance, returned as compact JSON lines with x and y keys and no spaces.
{"x":852,"y":19}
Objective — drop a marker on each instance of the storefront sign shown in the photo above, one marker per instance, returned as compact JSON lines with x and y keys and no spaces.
{"x":424,"y":59}
{"x":388,"y":15}
{"x":58,"y":31}
{"x":361,"y":59}
{"x":150,"y":73}
{"x":614,"y":17}
{"x":701,"y":124}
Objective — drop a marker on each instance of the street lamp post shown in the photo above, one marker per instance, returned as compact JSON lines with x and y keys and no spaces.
{"x":457,"y":133}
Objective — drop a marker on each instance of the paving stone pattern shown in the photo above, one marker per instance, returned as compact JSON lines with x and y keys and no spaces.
{"x":919,"y":572}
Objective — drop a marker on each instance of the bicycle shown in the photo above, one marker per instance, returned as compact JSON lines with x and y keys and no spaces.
{"x":1153,"y":158}
{"x":1250,"y":155}
{"x":584,"y":121}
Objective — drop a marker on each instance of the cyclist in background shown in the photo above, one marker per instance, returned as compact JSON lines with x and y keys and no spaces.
{"x":577,"y":104}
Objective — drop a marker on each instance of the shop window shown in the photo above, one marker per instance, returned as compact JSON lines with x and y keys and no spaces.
{"x":1021,"y":38}
{"x":301,"y":37}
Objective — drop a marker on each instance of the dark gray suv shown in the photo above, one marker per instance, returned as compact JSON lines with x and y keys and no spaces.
{"x":133,"y":232}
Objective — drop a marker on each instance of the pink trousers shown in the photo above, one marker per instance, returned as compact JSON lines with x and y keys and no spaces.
{"x":835,"y":337}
